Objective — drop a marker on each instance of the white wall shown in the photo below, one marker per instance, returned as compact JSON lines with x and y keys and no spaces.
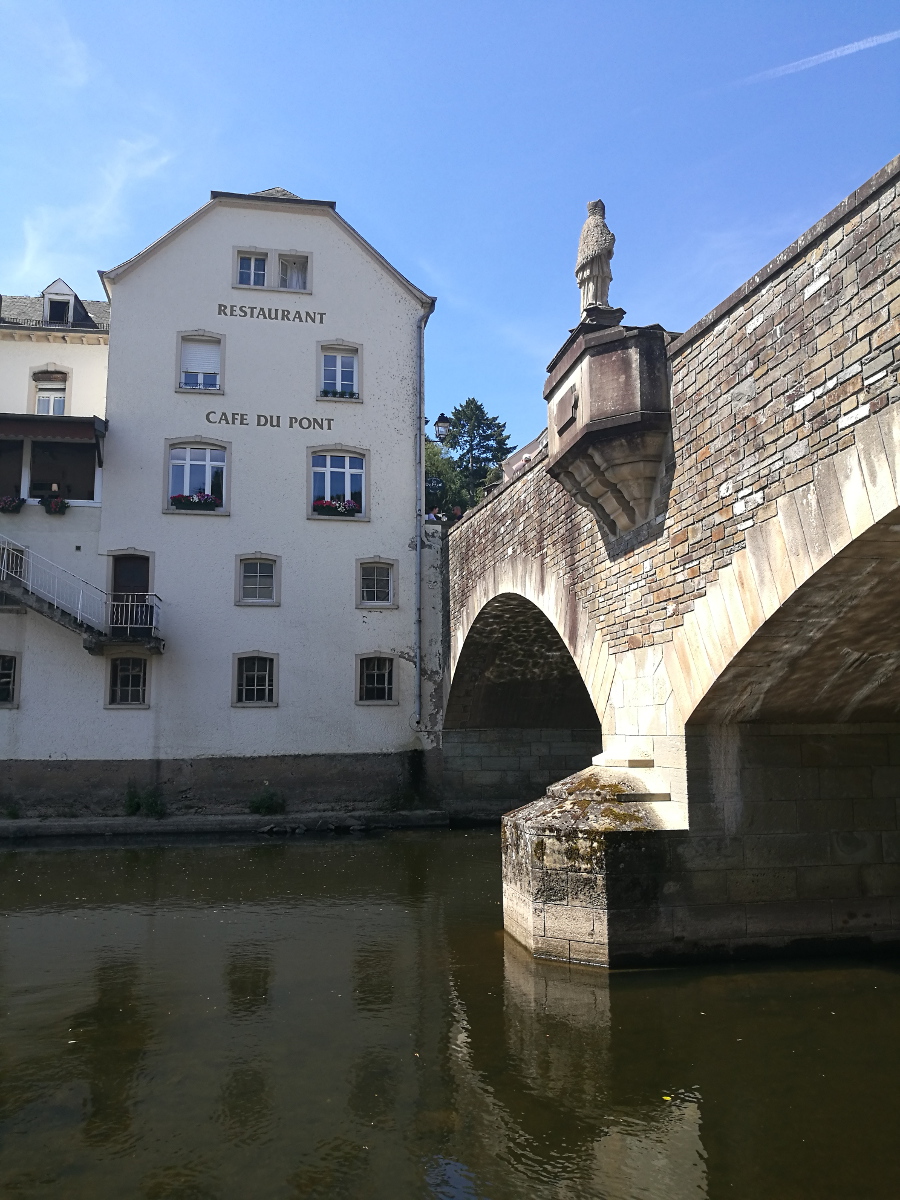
{"x":269,"y":367}
{"x":82,"y":355}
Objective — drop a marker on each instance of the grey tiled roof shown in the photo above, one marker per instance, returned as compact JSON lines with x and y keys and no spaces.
{"x":282,"y":192}
{"x":30,"y":309}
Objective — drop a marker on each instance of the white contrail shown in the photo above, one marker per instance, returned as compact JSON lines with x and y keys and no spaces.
{"x":803,"y":64}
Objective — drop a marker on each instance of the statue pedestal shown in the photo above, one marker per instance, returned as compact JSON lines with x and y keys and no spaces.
{"x":602,"y":315}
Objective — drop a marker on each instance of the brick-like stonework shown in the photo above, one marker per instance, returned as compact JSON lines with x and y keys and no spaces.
{"x":771,"y":383}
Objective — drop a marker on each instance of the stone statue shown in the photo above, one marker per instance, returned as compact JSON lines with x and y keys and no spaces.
{"x":595,"y":249}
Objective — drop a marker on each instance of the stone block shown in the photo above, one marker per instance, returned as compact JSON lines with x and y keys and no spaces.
{"x":697,"y":853}
{"x":695,"y":887}
{"x":880,"y":879}
{"x":770,"y":751}
{"x":786,"y":850}
{"x":825,"y":816}
{"x":706,"y":818}
{"x":846,"y":783}
{"x":544,"y":947}
{"x":587,"y":890}
{"x":856,"y":847}
{"x":639,"y":925}
{"x":568,"y":921}
{"x":837,"y":750}
{"x":797,"y":919}
{"x":875,"y":814}
{"x":779,"y":783}
{"x":550,"y":887}
{"x":499,"y":763}
{"x":871,"y":912}
{"x":709,"y":922}
{"x":890,"y":843}
{"x":594,"y":953}
{"x":749,"y":885}
{"x":827,"y":883}
{"x":779,"y":816}
{"x":886,"y":783}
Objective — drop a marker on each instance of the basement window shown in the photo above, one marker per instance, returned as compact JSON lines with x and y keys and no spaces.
{"x":9,"y":681}
{"x":128,"y":682}
{"x":376,"y":680}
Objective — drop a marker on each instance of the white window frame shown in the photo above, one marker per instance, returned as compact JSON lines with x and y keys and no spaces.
{"x":110,"y":659}
{"x":171,"y":444}
{"x":17,"y":675}
{"x":346,"y":451}
{"x":235,"y":660}
{"x":287,"y":254}
{"x":375,"y":560}
{"x":199,"y":335}
{"x":395,"y":681}
{"x":253,"y":254}
{"x":339,"y":346}
{"x":256,"y":556}
{"x":273,"y":259}
{"x":36,"y":386}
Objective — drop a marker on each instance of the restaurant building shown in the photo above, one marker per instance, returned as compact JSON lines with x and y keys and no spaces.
{"x":219,"y":584}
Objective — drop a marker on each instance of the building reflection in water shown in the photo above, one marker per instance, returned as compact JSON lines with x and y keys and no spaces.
{"x":110,"y":1040}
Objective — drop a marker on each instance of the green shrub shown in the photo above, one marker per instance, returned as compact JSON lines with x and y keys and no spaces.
{"x":148,"y":803}
{"x":267,"y":803}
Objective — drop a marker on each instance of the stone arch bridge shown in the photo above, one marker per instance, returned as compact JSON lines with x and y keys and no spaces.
{"x":696,"y":583}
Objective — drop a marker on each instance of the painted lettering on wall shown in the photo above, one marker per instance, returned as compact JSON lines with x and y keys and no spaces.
{"x":251,"y":311}
{"x":268,"y":420}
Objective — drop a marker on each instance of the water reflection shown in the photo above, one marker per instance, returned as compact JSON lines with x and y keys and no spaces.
{"x":110,"y":1040}
{"x":345,"y":1019}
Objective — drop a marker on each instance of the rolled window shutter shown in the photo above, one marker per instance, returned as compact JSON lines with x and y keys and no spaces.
{"x":200,"y":356}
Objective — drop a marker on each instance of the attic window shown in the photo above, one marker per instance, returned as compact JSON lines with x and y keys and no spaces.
{"x":293,"y":271}
{"x":58,"y":312}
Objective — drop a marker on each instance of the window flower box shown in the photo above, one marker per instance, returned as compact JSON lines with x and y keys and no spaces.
{"x":198,"y":502}
{"x":339,"y":395}
{"x":11,"y":504}
{"x":335,"y":508}
{"x":54,"y":506}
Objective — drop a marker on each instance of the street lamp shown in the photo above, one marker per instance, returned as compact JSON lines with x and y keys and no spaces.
{"x":442,"y":427}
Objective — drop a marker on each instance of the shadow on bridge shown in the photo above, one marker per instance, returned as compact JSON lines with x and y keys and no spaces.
{"x":518,"y":716}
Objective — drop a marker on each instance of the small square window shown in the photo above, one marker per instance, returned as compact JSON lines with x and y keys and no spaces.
{"x":252,"y":270}
{"x":255,"y":683}
{"x":8,"y":680}
{"x":376,"y":680}
{"x":293,"y":272}
{"x":376,"y":583}
{"x":258,"y":580}
{"x":128,"y":681}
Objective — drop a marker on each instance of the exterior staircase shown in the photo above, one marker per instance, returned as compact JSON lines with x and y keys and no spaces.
{"x":104,"y":621}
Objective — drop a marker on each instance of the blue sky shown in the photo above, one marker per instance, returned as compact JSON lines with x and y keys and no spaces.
{"x":463,"y":139}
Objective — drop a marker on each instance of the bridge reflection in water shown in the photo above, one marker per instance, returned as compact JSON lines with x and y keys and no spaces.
{"x":345,"y":1018}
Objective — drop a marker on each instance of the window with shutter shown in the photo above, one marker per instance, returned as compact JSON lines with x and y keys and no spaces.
{"x":200,"y":364}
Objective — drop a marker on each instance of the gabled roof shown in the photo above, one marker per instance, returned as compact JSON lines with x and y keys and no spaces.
{"x":284,"y":199}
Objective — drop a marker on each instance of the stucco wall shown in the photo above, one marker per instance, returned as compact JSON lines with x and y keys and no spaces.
{"x":82,"y":355}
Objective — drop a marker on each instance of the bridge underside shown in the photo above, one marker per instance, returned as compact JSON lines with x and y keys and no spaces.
{"x":518,"y":716}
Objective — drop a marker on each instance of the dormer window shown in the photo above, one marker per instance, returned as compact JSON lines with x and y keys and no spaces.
{"x":59,"y":312}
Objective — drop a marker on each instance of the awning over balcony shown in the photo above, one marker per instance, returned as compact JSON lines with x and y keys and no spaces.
{"x":15,"y":426}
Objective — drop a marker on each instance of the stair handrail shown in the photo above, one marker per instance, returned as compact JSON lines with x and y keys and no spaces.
{"x":87,"y":603}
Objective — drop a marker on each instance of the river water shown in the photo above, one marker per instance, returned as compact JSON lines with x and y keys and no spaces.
{"x":344,"y":1018}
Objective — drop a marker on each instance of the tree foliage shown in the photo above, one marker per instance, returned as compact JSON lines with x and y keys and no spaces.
{"x":443,"y":485}
{"x":480,"y":444}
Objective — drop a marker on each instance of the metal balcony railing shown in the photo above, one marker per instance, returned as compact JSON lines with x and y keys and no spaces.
{"x":123,"y":615}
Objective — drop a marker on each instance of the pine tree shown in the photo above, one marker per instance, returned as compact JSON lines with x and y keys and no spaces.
{"x":480,"y":442}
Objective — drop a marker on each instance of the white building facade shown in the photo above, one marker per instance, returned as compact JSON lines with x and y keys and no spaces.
{"x":272,"y":601}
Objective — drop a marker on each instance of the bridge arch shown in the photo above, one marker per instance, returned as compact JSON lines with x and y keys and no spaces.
{"x":518,"y":715}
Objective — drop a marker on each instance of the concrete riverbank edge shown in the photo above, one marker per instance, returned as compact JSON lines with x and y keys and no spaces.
{"x":283,"y":824}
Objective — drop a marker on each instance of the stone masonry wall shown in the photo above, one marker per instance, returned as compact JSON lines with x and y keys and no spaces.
{"x":765,"y":387}
{"x":489,"y":771}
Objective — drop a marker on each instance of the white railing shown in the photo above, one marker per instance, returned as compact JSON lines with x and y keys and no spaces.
{"x":125,"y":615}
